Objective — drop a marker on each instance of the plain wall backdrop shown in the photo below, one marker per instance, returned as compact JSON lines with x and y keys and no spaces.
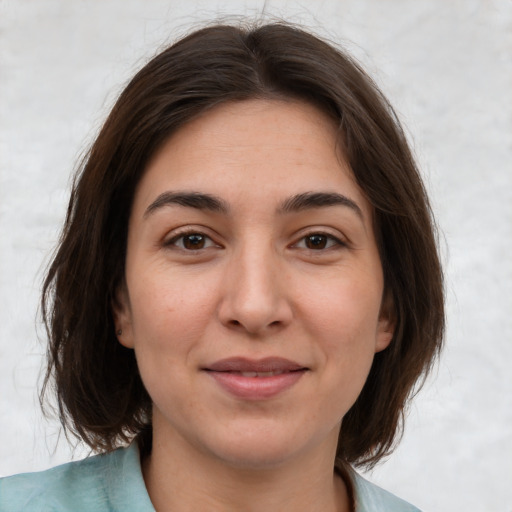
{"x":447,"y":68}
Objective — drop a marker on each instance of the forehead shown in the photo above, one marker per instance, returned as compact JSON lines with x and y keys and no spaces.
{"x":252,"y":149}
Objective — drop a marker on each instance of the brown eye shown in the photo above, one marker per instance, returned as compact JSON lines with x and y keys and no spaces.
{"x":194,"y":241}
{"x":316,"y":241}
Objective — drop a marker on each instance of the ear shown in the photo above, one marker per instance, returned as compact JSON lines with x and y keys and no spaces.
{"x":121,"y":312}
{"x":387,"y":322}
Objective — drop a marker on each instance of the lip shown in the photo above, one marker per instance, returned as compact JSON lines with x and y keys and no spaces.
{"x":234,"y":375}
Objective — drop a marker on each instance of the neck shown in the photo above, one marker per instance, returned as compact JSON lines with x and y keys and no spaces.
{"x":180,"y":479}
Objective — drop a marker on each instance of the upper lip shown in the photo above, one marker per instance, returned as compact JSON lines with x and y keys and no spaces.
{"x":243,"y":364}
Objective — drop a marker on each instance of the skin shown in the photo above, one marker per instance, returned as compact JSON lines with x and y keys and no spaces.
{"x":302,"y":284}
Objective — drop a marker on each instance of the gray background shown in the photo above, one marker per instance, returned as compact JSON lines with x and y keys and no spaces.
{"x":446,"y":65}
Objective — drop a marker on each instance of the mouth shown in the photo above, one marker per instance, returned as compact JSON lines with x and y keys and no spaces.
{"x":262,"y":374}
{"x":268,"y":365}
{"x":255,"y":379}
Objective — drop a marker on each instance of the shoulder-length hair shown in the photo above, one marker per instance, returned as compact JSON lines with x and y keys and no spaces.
{"x":100,"y":395}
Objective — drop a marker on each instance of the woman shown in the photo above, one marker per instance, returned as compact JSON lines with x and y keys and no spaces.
{"x":247,"y":288}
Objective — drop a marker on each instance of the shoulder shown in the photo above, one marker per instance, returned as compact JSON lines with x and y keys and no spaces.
{"x":371,"y":498}
{"x":108,"y":482}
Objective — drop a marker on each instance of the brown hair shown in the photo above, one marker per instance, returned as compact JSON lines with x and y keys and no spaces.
{"x":101,"y":397}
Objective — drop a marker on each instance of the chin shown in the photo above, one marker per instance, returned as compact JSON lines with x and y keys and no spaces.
{"x":262,"y":448}
{"x":256,"y":457}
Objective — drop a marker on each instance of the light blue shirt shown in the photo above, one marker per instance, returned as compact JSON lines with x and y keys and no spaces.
{"x":114,"y":483}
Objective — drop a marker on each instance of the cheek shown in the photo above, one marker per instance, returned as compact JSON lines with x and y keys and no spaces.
{"x":347,"y":349}
{"x":343,"y":319}
{"x":170,"y":307}
{"x":169,"y":319}
{"x":345,"y":311}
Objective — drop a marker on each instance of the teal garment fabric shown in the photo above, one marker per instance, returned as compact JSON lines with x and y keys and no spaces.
{"x":103,"y":483}
{"x":114,"y":483}
{"x":370,"y":498}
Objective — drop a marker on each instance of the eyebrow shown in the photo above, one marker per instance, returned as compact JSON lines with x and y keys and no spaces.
{"x":189,"y":199}
{"x":309,"y":200}
{"x":296,"y":203}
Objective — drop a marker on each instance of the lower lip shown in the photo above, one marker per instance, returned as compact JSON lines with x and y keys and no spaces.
{"x":256,"y":388}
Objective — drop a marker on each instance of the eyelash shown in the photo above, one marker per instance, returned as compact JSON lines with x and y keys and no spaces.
{"x":330,"y":241}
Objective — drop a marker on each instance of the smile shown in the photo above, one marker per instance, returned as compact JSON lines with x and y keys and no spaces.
{"x":255,"y":379}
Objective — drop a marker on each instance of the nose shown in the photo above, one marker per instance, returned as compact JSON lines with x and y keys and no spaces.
{"x":255,"y":296}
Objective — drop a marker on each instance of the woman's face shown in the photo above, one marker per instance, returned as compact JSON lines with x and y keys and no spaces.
{"x":253,"y":285}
